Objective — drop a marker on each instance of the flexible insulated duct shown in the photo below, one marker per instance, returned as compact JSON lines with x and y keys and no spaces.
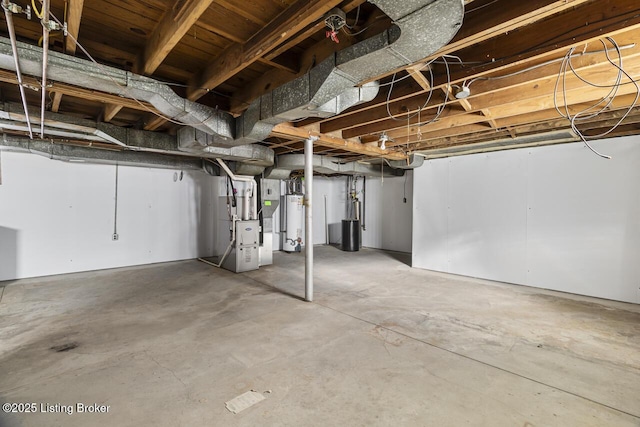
{"x":12,"y":118}
{"x":71,"y":153}
{"x":420,"y":28}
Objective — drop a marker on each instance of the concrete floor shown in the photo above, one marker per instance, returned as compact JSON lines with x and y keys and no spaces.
{"x":383,"y":344}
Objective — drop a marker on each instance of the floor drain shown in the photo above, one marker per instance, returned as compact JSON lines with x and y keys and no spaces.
{"x":64,"y":347}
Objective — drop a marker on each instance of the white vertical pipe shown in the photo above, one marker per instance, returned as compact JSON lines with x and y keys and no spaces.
{"x":308,"y":183}
{"x":326,"y":222}
{"x":45,"y":60}
{"x":14,"y":48}
{"x":244,"y":178}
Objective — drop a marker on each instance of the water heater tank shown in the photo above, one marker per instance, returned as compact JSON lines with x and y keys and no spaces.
{"x":293,"y":241}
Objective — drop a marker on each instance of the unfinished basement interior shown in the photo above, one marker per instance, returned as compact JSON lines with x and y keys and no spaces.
{"x":320,"y":213}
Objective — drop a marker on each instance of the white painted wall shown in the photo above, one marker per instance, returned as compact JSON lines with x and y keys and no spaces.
{"x":554,"y":217}
{"x":58,"y":217}
{"x":388,"y":219}
{"x":329,"y":192}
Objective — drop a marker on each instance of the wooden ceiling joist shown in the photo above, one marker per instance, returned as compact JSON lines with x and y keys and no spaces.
{"x":242,"y":10}
{"x":488,"y":21}
{"x":485,"y":93}
{"x":508,"y":52}
{"x":240,"y":55}
{"x":527,"y":43}
{"x":174,"y":25}
{"x":110,"y":111}
{"x":352,"y":146}
{"x":74,"y":16}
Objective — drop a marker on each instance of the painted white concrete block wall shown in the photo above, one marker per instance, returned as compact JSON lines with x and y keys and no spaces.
{"x":58,"y":217}
{"x":554,"y":217}
{"x":388,"y":219}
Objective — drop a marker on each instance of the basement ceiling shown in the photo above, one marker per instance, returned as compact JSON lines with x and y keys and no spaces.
{"x":514,"y":71}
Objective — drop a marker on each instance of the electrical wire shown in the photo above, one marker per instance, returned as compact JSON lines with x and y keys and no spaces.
{"x":350,"y":34}
{"x":35,"y":9}
{"x":439,"y":109}
{"x":543,"y":64}
{"x":357,"y":18}
{"x":601,"y":105}
{"x":480,"y":7}
{"x":556,"y":40}
{"x":344,"y":30}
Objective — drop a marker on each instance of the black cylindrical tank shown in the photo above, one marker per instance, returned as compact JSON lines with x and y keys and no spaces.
{"x":350,"y":235}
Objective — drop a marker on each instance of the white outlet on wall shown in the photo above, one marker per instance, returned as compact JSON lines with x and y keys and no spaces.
{"x":114,"y":237}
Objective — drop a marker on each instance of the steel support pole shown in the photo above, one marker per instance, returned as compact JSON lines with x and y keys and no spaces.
{"x":308,"y":187}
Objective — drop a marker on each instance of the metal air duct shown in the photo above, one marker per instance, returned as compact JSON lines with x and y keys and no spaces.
{"x":420,"y":28}
{"x":71,"y":153}
{"x":328,"y":166}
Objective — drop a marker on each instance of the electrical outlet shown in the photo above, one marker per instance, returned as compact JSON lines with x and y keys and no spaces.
{"x":115,"y":237}
{"x":404,"y":200}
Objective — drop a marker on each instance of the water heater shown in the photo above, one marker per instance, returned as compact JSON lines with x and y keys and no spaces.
{"x":293,"y":239}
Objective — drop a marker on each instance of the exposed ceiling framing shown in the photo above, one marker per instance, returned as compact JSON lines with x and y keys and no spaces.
{"x":226,"y":54}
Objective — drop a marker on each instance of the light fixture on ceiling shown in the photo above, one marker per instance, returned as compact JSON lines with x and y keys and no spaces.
{"x":461,"y":92}
{"x":384,"y":138}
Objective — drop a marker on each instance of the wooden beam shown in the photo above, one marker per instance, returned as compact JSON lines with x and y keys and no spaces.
{"x":57,"y":98}
{"x":174,"y":25}
{"x":485,"y":93}
{"x":487,"y":113}
{"x":284,"y":144}
{"x":154,"y":123}
{"x":416,"y":73}
{"x":546,"y":118}
{"x":310,"y":57}
{"x":583,"y":24}
{"x":526,"y":108}
{"x":240,"y":55}
{"x":352,"y":146}
{"x":619,"y":103}
{"x":110,"y":111}
{"x":529,"y":43}
{"x":224,"y":34}
{"x":74,"y":15}
{"x":73,"y":18}
{"x":243,"y":9}
{"x":310,"y":31}
{"x":501,"y":17}
{"x":279,"y":65}
{"x":594,"y":125}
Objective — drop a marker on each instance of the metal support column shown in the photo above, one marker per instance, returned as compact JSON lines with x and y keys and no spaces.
{"x":308,"y":195}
